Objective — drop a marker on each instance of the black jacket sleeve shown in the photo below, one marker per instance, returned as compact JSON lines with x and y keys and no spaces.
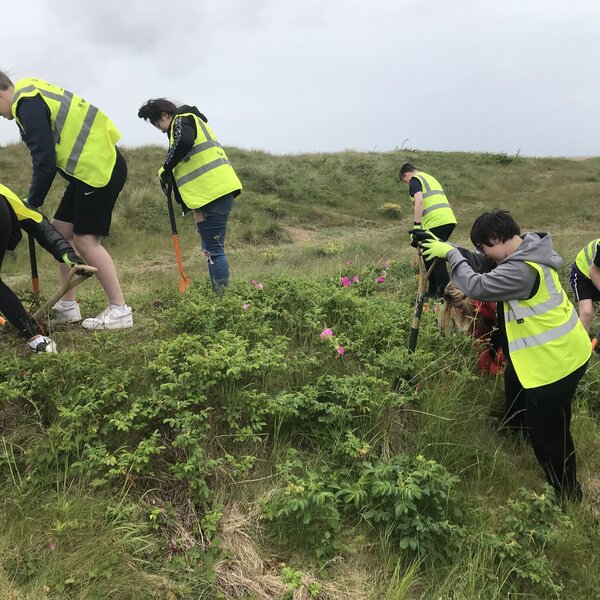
{"x":15,"y":230}
{"x":36,"y":132}
{"x":477,"y":261}
{"x":47,"y":237}
{"x":184,"y":134}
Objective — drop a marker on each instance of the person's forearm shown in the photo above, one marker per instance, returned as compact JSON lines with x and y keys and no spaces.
{"x":47,"y":237}
{"x":38,"y":136}
{"x":418,"y":197}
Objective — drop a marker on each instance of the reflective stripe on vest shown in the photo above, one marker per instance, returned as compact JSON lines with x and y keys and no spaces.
{"x":84,"y":137}
{"x":547,"y":336}
{"x":546,"y":340}
{"x":205,"y":173}
{"x":17,"y":205}
{"x":585,"y":257}
{"x":518,"y":311}
{"x":436,"y":208}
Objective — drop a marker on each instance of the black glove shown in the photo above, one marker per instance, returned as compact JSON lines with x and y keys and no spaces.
{"x":166,"y":180}
{"x":71,"y":258}
{"x":420,"y":235}
{"x":31,"y":206}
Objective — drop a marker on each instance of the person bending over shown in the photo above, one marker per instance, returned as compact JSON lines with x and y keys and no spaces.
{"x":201,"y":176}
{"x":546,"y":346}
{"x":66,"y":134}
{"x":14,"y":216}
{"x":432,"y":212}
{"x":478,"y":320}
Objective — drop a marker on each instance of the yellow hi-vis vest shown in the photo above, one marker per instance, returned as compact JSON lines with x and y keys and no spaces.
{"x":585,"y":258}
{"x":17,"y":205}
{"x":546,"y":340}
{"x":205,"y":173}
{"x":436,"y":208}
{"x":84,"y":137}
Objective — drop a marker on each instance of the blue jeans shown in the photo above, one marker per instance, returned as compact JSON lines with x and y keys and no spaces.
{"x":212,"y":232}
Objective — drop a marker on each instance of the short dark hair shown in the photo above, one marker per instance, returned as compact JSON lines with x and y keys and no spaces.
{"x":407,"y":168}
{"x":153,"y":109}
{"x":5,"y":81}
{"x":496,"y":224}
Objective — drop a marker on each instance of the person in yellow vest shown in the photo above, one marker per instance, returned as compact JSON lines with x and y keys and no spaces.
{"x":545,"y":343}
{"x":66,"y":134}
{"x":14,"y":216}
{"x":202,"y":176}
{"x":584,"y":278}
{"x":432,"y":212}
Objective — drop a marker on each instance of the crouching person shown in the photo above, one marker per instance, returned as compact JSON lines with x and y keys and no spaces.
{"x":14,"y":216}
{"x":478,"y":320}
{"x":546,"y":345}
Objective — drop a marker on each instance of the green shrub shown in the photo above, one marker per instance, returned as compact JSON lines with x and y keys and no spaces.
{"x":530,"y":523}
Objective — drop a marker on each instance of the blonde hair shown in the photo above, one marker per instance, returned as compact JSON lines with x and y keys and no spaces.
{"x":452,"y":317}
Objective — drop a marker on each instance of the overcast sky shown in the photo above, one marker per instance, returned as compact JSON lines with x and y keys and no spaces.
{"x":289,"y":76}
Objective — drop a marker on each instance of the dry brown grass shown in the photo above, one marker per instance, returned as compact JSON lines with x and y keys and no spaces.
{"x":247,"y":574}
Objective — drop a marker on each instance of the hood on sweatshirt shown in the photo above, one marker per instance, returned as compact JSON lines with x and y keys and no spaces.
{"x":538,"y":248}
{"x":186,"y":108}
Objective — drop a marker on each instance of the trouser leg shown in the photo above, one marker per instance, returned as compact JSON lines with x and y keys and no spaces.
{"x":549,"y":426}
{"x":514,"y":401}
{"x":439,"y":278}
{"x":211,"y":222}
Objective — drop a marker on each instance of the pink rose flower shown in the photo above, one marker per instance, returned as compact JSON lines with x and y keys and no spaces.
{"x":340,"y":350}
{"x":346,"y":281}
{"x":260,"y":286}
{"x":326,"y":333}
{"x":380,"y":279}
{"x":355,"y":279}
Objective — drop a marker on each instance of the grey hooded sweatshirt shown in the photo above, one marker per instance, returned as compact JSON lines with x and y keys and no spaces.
{"x":510,"y":279}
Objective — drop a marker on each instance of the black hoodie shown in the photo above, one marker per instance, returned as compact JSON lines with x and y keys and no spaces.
{"x":184,"y":134}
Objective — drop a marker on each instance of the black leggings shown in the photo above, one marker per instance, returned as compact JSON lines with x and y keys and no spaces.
{"x":439,"y":277}
{"x":10,"y":305}
{"x":544,"y":414}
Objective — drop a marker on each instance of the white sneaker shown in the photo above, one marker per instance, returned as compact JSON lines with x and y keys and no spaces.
{"x":42,"y":344}
{"x":119,"y":317}
{"x":64,"y":312}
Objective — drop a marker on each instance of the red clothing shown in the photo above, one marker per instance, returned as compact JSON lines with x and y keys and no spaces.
{"x":491,"y":359}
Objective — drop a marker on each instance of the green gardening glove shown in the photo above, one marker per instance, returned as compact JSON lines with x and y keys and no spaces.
{"x":73,"y":259}
{"x":436,"y":249}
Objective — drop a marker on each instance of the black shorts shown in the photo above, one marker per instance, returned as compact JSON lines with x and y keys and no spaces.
{"x":89,"y":209}
{"x":582,"y":286}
